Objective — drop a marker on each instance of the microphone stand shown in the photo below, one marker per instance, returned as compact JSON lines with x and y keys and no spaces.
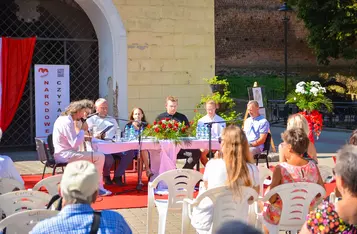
{"x":209,"y":126}
{"x":139,"y":183}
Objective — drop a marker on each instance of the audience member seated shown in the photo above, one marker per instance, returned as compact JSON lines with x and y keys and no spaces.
{"x":233,"y":227}
{"x":299,"y":121}
{"x":256,"y":127}
{"x":66,"y":141}
{"x":138,"y":121}
{"x":342,"y":218}
{"x":99,"y":123}
{"x":217,"y":128}
{"x":77,"y":216}
{"x":295,"y":169}
{"x":234,"y":168}
{"x":192,"y":156}
{"x":7,"y":167}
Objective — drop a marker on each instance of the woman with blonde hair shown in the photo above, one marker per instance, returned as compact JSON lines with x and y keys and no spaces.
{"x":233,"y":167}
{"x":299,"y":121}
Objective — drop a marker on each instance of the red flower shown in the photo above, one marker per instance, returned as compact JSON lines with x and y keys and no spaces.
{"x":160,"y":122}
{"x":183,"y":130}
{"x":195,"y":110}
{"x":176,"y":125}
{"x":167,"y":119}
{"x":155,"y":122}
{"x":169,"y":125}
{"x":157,"y":130}
{"x":163,"y":126}
{"x":175,"y":129}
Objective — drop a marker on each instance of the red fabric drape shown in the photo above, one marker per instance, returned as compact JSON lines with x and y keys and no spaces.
{"x":16,"y":62}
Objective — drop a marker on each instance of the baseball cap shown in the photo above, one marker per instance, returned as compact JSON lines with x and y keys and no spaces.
{"x":79,"y":180}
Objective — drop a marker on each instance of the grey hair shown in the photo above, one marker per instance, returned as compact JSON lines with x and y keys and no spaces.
{"x":253,"y":102}
{"x":346,"y":167}
{"x":74,"y":107}
{"x":100,"y":101}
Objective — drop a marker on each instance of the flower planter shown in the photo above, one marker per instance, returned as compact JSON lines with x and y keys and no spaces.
{"x":218,"y":88}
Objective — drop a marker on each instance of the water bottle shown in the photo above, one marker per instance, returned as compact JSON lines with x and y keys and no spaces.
{"x":132,"y":133}
{"x":117,"y":135}
{"x":198,"y":132}
{"x":126,"y":133}
{"x":205,"y":132}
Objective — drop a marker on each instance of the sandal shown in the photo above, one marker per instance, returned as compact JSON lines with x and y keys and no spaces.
{"x":149,"y":173}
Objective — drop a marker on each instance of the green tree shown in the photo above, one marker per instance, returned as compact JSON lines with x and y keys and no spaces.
{"x":332,"y":26}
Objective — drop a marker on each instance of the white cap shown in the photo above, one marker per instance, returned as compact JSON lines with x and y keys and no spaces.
{"x":79,"y":180}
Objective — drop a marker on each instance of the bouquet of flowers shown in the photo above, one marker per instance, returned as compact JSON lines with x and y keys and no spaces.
{"x":309,"y":96}
{"x":315,"y":121}
{"x":167,"y":129}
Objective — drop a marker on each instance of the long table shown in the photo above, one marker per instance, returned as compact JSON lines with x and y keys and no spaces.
{"x":162,"y":153}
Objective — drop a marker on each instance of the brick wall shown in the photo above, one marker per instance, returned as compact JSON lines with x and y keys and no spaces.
{"x":250,"y":34}
{"x":170,"y":50}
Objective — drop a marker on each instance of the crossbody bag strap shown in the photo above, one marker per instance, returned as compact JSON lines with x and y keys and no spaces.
{"x":96,"y":222}
{"x":53,"y":200}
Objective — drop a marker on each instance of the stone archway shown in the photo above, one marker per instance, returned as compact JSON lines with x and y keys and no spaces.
{"x":111,"y":36}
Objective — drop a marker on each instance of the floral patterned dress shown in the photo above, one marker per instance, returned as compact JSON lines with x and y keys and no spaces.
{"x":326,"y":220}
{"x":290,"y":174}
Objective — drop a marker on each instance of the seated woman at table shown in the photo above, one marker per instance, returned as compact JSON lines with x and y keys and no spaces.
{"x":295,"y":169}
{"x":299,"y":121}
{"x":138,"y":121}
{"x":233,"y":167}
{"x":342,"y":217}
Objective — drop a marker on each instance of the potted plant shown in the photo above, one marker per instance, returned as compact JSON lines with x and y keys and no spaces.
{"x":217,"y":85}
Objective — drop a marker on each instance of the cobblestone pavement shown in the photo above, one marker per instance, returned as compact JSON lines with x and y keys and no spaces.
{"x":137,"y":217}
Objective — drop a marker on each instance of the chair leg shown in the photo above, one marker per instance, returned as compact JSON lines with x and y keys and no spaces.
{"x":162,"y":222}
{"x":267,"y":161}
{"x":256,"y":159}
{"x":54,"y":170}
{"x":44,"y":170}
{"x":62,"y":170}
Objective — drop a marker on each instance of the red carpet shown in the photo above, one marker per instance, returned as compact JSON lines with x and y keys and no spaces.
{"x":132,"y":199}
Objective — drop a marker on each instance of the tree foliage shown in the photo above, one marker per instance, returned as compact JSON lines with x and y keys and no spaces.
{"x":332,"y":26}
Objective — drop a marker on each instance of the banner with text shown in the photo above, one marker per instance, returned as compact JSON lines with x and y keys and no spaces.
{"x":52,"y":95}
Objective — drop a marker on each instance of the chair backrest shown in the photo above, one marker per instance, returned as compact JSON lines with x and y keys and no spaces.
{"x":8,"y":185}
{"x":23,"y":222}
{"x":296,"y":199}
{"x":227,"y":207}
{"x":41,"y":150}
{"x":50,"y":144}
{"x":21,"y":200}
{"x":267,"y":143}
{"x":181,"y":184}
{"x":50,"y":183}
{"x":264,"y":173}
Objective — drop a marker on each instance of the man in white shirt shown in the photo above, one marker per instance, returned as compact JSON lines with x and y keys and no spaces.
{"x":66,"y":141}
{"x":216,"y":129}
{"x":100,"y":122}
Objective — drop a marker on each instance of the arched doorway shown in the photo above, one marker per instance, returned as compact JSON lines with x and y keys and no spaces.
{"x":65,"y":35}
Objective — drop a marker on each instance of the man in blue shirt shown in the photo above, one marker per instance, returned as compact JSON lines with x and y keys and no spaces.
{"x":79,"y":190}
{"x":256,"y":128}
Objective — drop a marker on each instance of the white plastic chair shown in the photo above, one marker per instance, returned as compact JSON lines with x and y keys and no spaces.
{"x":23,"y":222}
{"x":181,"y":184}
{"x":296,"y":199}
{"x":21,"y":200}
{"x":264,"y":173}
{"x":50,"y":183}
{"x":8,"y":185}
{"x":225,"y":206}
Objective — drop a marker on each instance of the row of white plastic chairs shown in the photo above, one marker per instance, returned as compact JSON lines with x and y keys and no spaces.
{"x":296,"y":199}
{"x":25,"y":208}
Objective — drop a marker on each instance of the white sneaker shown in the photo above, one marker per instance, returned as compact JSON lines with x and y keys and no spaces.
{"x":103,"y":192}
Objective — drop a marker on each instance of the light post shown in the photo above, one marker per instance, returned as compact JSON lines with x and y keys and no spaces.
{"x":285,"y":8}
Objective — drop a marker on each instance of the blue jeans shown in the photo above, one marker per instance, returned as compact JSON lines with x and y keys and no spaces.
{"x":126,"y":158}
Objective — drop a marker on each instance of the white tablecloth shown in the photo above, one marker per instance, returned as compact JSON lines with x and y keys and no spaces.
{"x":163,"y":154}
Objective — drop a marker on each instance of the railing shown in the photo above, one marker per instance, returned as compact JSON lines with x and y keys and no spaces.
{"x":344,"y":114}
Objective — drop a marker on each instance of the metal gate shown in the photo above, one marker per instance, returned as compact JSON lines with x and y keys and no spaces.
{"x":65,"y":35}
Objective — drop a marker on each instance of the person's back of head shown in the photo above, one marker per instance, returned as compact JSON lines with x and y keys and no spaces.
{"x":346,"y":170}
{"x":297,"y":139}
{"x":298,"y":121}
{"x":79,"y":183}
{"x":236,"y":154}
{"x":233,"y":227}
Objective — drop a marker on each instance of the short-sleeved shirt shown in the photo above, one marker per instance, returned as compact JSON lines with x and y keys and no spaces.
{"x":216,"y":127}
{"x":326,"y":220}
{"x":177,"y":116}
{"x":253,"y":127}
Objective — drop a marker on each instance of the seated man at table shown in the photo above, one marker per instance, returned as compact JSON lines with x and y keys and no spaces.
{"x":216,"y":129}
{"x":193,"y":155}
{"x":101,"y":121}
{"x":256,"y":128}
{"x":66,"y":141}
